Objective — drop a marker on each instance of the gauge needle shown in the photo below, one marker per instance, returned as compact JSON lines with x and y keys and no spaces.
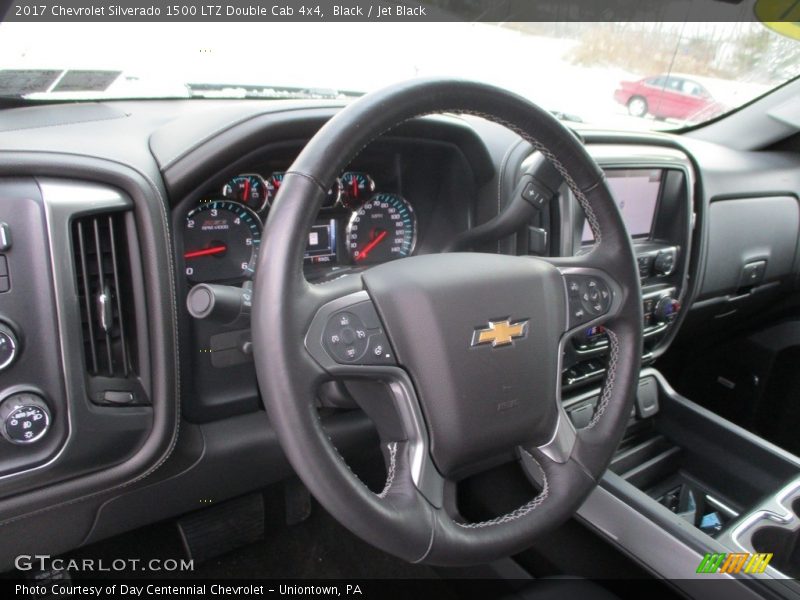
{"x":355,"y":187}
{"x":206,"y":251}
{"x":246,"y":190}
{"x":368,"y":248}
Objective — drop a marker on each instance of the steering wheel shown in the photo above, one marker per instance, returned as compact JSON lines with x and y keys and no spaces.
{"x":467,"y":347}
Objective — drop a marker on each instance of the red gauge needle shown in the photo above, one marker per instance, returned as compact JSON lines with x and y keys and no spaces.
{"x":206,"y":251}
{"x":368,"y":248}
{"x":246,"y":190}
{"x":355,"y":187}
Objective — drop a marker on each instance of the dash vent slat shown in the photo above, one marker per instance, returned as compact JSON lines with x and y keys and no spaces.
{"x":103,"y":280}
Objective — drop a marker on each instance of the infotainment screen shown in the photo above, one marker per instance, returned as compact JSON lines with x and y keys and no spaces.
{"x":321,"y":246}
{"x":636,"y":192}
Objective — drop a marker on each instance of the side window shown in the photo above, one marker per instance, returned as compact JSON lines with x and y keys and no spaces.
{"x":656,"y":81}
{"x":674,"y":84}
{"x":692,"y":88}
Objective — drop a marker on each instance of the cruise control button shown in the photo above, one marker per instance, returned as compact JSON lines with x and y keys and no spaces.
{"x":532,"y":194}
{"x":379,"y":352}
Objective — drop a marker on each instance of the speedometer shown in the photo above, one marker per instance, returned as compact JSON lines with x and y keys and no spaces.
{"x":221,"y":240}
{"x":384,"y":228}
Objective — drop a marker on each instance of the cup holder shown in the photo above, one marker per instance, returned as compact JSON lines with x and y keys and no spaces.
{"x":783,"y":543}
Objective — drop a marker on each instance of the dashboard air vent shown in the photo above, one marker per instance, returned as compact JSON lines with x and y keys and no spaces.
{"x":102,"y":264}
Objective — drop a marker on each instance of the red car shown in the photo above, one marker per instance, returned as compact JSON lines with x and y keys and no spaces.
{"x":668,"y":97}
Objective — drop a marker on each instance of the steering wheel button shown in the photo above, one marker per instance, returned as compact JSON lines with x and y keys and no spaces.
{"x":379,"y":352}
{"x":578,"y":316}
{"x":348,"y":336}
{"x":574,"y":288}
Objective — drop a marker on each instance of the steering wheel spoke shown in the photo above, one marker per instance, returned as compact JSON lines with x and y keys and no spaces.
{"x":347,"y":338}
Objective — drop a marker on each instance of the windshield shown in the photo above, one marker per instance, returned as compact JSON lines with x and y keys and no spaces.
{"x":628,"y":75}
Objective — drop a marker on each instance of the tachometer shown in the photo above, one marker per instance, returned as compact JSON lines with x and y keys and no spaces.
{"x":221,"y":240}
{"x":384,"y":228}
{"x":250,"y":190}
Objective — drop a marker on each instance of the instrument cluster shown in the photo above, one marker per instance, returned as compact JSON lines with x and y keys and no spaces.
{"x":359,"y":225}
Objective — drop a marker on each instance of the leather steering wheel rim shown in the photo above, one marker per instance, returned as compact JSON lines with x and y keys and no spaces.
{"x":409,"y":517}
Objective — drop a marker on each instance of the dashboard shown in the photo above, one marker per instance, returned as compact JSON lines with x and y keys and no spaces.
{"x":358,"y":225}
{"x":402,"y":196}
{"x":136,"y":397}
{"x":654,"y":188}
{"x":387,"y":206}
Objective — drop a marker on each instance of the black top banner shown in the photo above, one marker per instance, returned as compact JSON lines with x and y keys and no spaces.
{"x":426,"y":11}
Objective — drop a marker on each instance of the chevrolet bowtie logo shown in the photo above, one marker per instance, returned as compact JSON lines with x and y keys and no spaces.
{"x":500,"y":333}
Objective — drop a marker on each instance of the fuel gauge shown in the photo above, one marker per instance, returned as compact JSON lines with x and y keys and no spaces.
{"x":357,"y":188}
{"x":251,"y":190}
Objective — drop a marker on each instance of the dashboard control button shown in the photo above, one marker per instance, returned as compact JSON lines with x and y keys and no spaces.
{"x":24,"y":417}
{"x":644,"y":265}
{"x":667,"y":309}
{"x":9,"y":346}
{"x":118,"y":397}
{"x":664,"y":263}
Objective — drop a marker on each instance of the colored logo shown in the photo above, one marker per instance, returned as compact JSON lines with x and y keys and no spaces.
{"x":734,"y":562}
{"x":500,"y":333}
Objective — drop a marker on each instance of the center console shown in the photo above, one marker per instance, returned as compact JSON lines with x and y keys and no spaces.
{"x":653,"y":190}
{"x":686,"y":490}
{"x":699,"y":497}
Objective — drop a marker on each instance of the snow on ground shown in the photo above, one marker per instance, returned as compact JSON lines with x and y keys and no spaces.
{"x":158,"y":58}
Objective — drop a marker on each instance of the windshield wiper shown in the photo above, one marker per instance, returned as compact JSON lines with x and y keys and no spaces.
{"x":276,"y":92}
